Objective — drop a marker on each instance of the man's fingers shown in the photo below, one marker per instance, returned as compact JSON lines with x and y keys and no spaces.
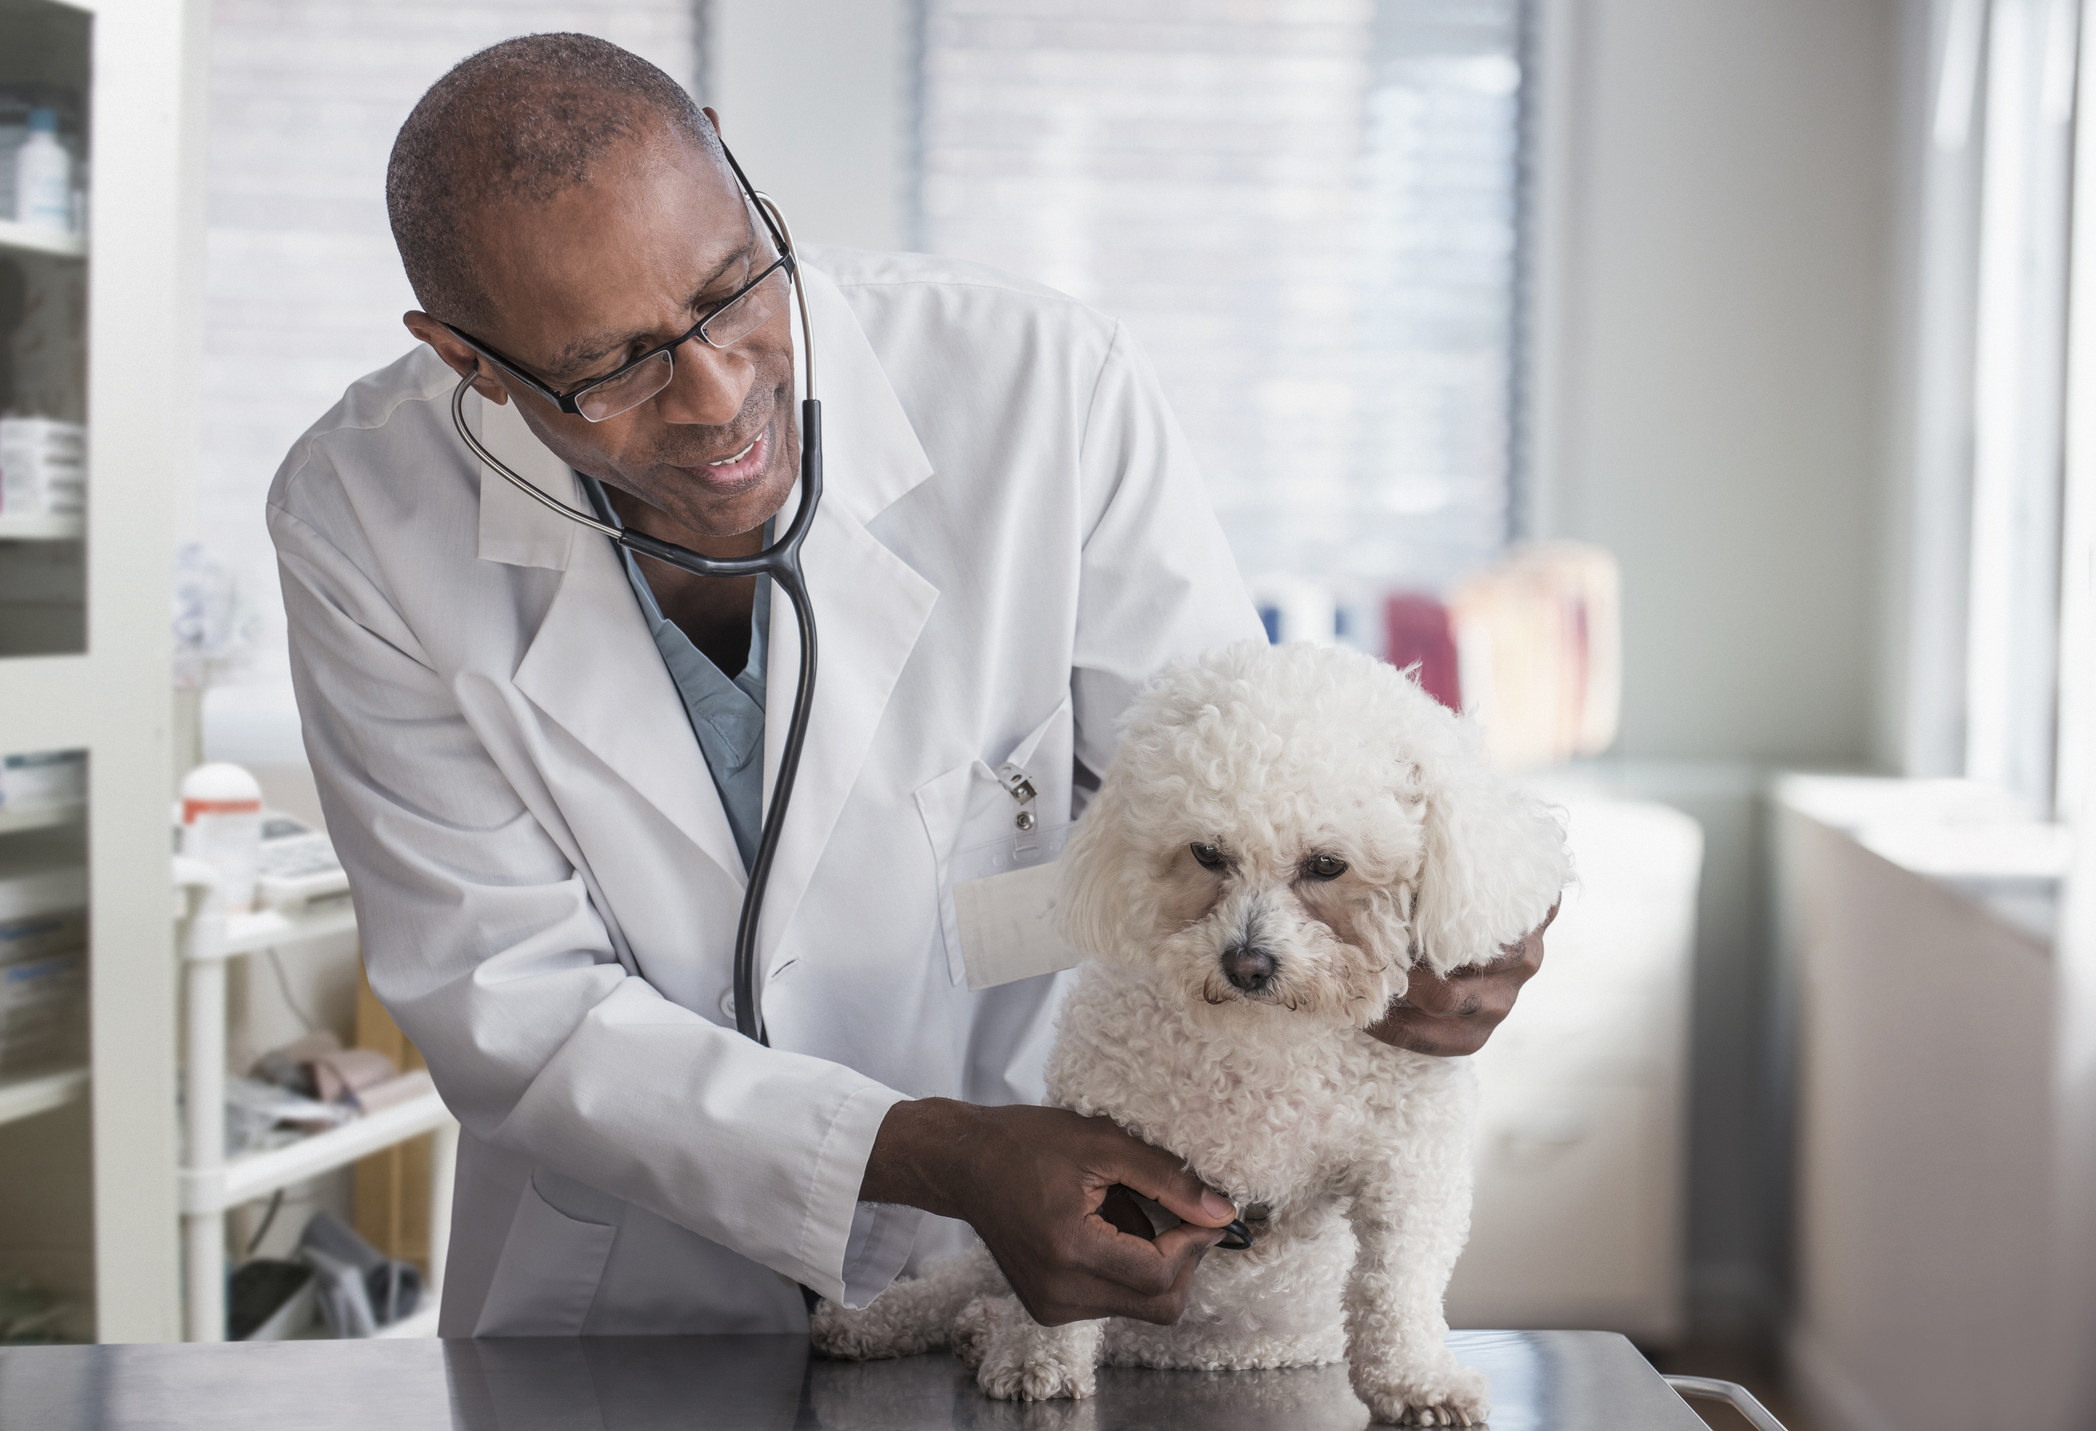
{"x":1163,"y":1179}
{"x":1187,"y":1242}
{"x":1125,"y":1214}
{"x":1134,"y":1277}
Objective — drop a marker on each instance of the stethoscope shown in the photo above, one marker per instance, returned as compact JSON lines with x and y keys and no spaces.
{"x":781,"y":561}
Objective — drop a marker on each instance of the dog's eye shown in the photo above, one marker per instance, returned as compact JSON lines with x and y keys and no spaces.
{"x":1207,"y":856}
{"x":1324,"y":867}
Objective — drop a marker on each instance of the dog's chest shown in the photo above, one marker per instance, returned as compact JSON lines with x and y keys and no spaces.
{"x":1265,"y":1107}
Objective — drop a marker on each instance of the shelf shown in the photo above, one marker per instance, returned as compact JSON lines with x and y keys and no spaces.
{"x":40,"y":817}
{"x":42,"y":527}
{"x":254,"y":1175}
{"x":421,"y":1324}
{"x":25,"y":1095}
{"x":267,"y":928}
{"x":22,"y":238}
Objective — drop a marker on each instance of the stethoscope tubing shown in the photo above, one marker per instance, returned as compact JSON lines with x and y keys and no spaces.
{"x":781,"y":562}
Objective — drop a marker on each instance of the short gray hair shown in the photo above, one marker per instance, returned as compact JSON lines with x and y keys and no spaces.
{"x":519,"y":122}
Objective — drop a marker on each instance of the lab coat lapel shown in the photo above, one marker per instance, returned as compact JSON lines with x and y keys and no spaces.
{"x":592,"y":667}
{"x":870,"y":605}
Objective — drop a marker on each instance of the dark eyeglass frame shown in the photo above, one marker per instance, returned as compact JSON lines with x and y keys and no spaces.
{"x":570,"y":401}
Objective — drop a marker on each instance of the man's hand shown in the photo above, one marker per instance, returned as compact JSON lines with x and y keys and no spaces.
{"x":1457,"y":1014}
{"x":1034,"y":1183}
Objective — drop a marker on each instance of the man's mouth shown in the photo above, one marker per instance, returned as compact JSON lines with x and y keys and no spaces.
{"x":737,"y":469}
{"x":725,"y":461}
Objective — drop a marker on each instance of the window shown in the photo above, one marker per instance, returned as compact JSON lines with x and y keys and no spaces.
{"x":1308,"y":211}
{"x":1987,"y":691}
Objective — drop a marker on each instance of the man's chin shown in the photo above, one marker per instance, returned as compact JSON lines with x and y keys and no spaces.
{"x":737,"y":511}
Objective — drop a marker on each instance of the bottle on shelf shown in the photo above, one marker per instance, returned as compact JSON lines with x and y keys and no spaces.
{"x":43,"y":196}
{"x":222,"y":826}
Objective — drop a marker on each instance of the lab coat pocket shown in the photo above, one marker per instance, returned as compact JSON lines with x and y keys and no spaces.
{"x":996,"y":834}
{"x":547,"y":1277}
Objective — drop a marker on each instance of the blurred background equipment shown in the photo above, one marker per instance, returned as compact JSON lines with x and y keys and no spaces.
{"x":1539,"y":642}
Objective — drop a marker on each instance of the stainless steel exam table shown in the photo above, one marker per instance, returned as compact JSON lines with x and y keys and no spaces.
{"x":1562,"y":1381}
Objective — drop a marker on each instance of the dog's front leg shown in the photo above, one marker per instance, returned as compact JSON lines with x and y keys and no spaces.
{"x":1411,"y":1216}
{"x":1017,"y":1359}
{"x":915,"y":1315}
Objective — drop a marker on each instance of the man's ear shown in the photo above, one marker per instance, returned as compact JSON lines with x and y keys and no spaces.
{"x":712,"y":117}
{"x":456,"y":355}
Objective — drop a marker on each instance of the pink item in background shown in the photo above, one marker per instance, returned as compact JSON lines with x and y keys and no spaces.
{"x":1417,"y":631}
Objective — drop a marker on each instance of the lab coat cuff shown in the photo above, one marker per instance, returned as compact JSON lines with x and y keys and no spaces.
{"x":883,"y":1234}
{"x":831,"y":1233}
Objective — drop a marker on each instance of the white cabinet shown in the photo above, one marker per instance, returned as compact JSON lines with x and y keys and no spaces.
{"x":1943,"y":1092}
{"x":87,"y":1196}
{"x":1581,"y":1141}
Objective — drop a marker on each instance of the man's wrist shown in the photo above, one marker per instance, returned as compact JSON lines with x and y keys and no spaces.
{"x":917,"y":1155}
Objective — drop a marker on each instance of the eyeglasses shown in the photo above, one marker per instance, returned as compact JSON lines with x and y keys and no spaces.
{"x":742,"y":313}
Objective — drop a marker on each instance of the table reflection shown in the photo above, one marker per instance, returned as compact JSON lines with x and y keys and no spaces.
{"x":1558,"y":1381}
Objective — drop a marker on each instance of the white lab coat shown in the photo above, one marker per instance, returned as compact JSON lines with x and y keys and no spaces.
{"x":1012,"y":539}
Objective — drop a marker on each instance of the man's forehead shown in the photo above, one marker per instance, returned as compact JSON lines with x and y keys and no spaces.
{"x":615,"y":258}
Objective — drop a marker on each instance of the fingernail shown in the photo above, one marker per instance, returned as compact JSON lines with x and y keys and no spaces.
{"x":1216,"y":1205}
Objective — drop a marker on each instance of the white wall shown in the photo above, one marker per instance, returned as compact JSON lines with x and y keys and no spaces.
{"x":1716,"y":263}
{"x":1717,"y":353}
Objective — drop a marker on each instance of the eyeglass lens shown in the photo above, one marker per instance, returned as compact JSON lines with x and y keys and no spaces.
{"x":723,"y":329}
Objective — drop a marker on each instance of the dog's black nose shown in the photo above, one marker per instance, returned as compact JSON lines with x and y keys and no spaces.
{"x":1249,"y":967}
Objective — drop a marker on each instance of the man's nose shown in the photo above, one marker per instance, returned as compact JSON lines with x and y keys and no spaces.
{"x":1249,"y":967}
{"x":707,"y":385}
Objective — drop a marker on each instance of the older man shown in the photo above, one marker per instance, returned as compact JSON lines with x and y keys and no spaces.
{"x":543,"y":761}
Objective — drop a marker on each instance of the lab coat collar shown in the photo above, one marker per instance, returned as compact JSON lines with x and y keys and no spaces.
{"x":870,"y":606}
{"x":871,"y":453}
{"x":514,"y":529}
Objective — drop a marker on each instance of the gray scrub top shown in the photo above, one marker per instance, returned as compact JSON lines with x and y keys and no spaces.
{"x":726,"y":714}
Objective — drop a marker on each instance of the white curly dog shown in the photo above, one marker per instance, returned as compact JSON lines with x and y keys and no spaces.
{"x":1286,"y":834}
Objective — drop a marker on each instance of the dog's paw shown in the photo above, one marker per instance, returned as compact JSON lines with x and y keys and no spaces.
{"x":1454,"y":1396}
{"x":851,"y":1336}
{"x":1014,"y":1371}
{"x":1017,"y":1359}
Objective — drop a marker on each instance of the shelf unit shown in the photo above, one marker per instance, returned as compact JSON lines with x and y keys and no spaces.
{"x":212,"y":1184}
{"x":21,"y":238}
{"x":40,"y":817}
{"x":101,"y":682}
{"x":42,"y":527}
{"x":25,"y":1095}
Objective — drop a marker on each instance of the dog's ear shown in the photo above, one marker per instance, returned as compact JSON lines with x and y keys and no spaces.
{"x":1494,"y":862}
{"x":1096,"y":869}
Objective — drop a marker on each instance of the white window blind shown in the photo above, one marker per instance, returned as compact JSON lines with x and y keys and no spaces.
{"x":1308,"y":210}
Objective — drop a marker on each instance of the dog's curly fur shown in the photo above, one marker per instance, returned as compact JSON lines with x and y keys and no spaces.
{"x":1268,"y":758}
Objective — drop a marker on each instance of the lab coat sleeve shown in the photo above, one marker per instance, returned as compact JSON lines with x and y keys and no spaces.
{"x":1158,"y":581}
{"x":481,"y":937}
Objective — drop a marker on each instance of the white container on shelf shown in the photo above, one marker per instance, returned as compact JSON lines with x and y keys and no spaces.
{"x":43,"y":467}
{"x":222,"y":826}
{"x":43,"y":196}
{"x":38,"y":779}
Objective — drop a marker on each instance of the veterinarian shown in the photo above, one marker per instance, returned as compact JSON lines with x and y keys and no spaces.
{"x":541,"y":760}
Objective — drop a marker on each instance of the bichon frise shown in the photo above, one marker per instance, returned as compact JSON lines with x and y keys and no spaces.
{"x":1287,"y":835}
